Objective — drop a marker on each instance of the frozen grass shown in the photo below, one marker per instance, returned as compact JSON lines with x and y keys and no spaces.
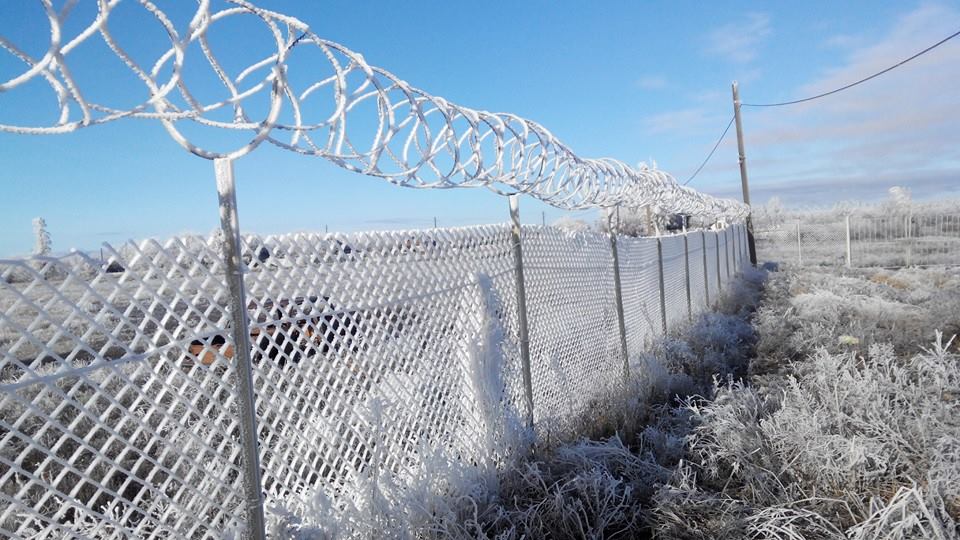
{"x":848,"y":426}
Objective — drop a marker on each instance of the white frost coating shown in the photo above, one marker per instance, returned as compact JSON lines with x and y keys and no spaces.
{"x":415,"y":139}
{"x":379,"y":374}
{"x":42,"y":244}
{"x":486,"y":388}
{"x":438,"y":472}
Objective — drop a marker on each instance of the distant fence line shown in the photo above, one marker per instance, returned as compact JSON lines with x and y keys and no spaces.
{"x":854,"y":241}
{"x":371,"y":354}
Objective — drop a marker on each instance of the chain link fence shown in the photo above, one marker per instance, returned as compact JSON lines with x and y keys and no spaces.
{"x":857,"y":241}
{"x":372,"y":354}
{"x":169,"y":389}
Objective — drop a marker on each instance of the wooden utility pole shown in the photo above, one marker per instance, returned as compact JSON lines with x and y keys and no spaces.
{"x":743,"y":173}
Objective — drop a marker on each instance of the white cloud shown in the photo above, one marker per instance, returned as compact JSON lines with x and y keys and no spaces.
{"x":651,"y":82}
{"x":679,"y":121}
{"x":843,"y":41}
{"x":739,"y":41}
{"x":902,"y":124}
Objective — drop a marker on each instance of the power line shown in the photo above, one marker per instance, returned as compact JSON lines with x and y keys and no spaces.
{"x":818,"y":96}
{"x":710,"y":155}
{"x":851,"y":85}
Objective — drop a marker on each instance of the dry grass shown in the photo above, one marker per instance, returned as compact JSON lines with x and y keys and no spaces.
{"x":847,"y":426}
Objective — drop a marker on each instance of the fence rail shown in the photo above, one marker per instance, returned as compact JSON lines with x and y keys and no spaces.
{"x":371,"y":355}
{"x":889,"y":241}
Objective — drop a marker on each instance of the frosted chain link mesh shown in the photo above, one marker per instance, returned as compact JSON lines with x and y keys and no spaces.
{"x":575,"y":357}
{"x":711,"y":240}
{"x":674,"y":280}
{"x":779,"y":245}
{"x":815,"y":244}
{"x":823,"y":244}
{"x":109,"y":421}
{"x":641,"y":292}
{"x":698,"y":287}
{"x":366,"y":346}
{"x":726,"y":249}
{"x":371,"y":352}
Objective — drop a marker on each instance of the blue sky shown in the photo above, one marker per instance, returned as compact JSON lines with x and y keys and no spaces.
{"x":629,"y":80}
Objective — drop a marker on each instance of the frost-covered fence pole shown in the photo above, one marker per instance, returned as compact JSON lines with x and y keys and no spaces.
{"x":740,"y":247}
{"x":743,"y":240}
{"x":521,"y":307}
{"x":799,"y":247}
{"x":716,"y":238}
{"x":849,"y":263}
{"x":706,"y":271}
{"x":41,"y":246}
{"x":909,"y":234}
{"x":732,"y":248}
{"x":614,"y":229}
{"x":734,"y":254}
{"x":738,"y":243}
{"x":663,"y":292}
{"x":233,"y":266}
{"x":726,"y":249}
{"x":686,"y":273}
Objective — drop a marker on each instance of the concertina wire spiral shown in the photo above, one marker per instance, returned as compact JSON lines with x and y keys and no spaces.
{"x":415,"y":139}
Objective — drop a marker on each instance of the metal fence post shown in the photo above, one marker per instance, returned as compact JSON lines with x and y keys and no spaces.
{"x":686,"y":273}
{"x":799,"y":248}
{"x":618,"y":292}
{"x":706,"y":271}
{"x":849,"y":263}
{"x":521,"y":307}
{"x":740,"y":246}
{"x":716,"y":237}
{"x":743,"y":240}
{"x":909,"y":235}
{"x":230,"y":225}
{"x":735,"y":250}
{"x":726,"y":250}
{"x":663,"y":292}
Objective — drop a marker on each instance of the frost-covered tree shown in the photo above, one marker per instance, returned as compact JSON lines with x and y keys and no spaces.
{"x":770,"y":215}
{"x":900,"y":202}
{"x":642,"y":221}
{"x":900,"y":196}
{"x":42,"y":244}
{"x":571,"y":224}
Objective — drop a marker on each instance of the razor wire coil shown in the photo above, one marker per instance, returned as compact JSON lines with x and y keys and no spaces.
{"x":415,"y":139}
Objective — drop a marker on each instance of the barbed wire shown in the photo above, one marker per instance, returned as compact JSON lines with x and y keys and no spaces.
{"x":413,"y":139}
